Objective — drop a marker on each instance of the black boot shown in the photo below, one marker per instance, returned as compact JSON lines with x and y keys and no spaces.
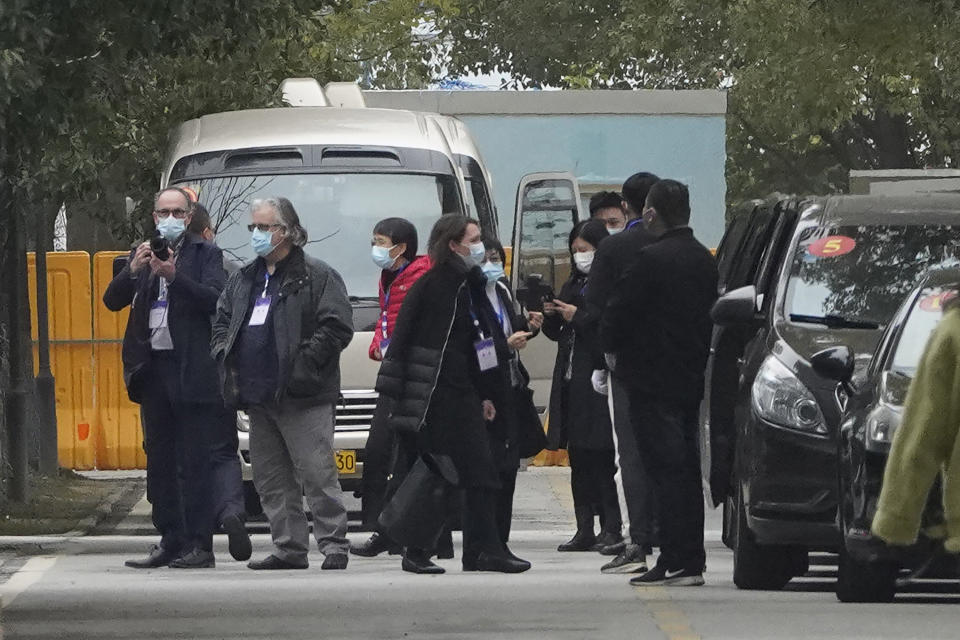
{"x":584,"y":539}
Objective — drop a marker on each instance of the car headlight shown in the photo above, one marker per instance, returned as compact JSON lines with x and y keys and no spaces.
{"x":243,"y":422}
{"x":779,"y":397}
{"x":880,"y":430}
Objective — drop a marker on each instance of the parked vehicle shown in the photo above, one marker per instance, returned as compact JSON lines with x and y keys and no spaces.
{"x":872,"y":410}
{"x":798,"y":276}
{"x":345,"y":167}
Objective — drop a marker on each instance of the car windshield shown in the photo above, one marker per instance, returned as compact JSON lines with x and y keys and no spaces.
{"x":857,"y":276}
{"x":338,"y":210}
{"x":923,"y":318}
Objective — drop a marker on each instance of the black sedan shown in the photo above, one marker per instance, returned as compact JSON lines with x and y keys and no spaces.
{"x":872,"y":404}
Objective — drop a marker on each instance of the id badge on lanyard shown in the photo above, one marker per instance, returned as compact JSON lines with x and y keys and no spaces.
{"x":485,"y":348}
{"x":261,"y":307}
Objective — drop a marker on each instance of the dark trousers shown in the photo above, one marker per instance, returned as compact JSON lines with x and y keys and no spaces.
{"x":504,"y":503}
{"x":380,"y":455}
{"x":669,"y":444}
{"x":178,"y":460}
{"x":593,"y":488}
{"x":638,"y":493}
{"x":226,"y":477}
{"x":480,"y":533}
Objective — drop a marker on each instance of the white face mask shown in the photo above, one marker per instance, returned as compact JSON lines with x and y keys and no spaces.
{"x":476,"y":256}
{"x":584,"y":260}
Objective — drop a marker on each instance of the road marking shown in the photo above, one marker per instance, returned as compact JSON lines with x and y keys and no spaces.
{"x":670,"y":618}
{"x":27,"y":576}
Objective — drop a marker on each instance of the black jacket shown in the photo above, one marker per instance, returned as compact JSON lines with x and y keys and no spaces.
{"x":579,"y":416}
{"x":614,"y":257}
{"x":432,"y":374}
{"x":192,"y":300}
{"x":657,"y":321}
{"x":312,"y":321}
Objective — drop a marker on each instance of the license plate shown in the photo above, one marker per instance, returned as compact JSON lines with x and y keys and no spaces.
{"x":346,"y":461}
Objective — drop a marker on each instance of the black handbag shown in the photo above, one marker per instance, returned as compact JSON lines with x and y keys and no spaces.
{"x":417,"y":513}
{"x":531,"y":439}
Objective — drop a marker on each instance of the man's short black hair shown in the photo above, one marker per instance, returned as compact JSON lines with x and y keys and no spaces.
{"x":399,"y":230}
{"x":671,"y":199}
{"x":636,"y":188}
{"x":199,"y":219}
{"x":492,"y":244}
{"x":604,"y":200}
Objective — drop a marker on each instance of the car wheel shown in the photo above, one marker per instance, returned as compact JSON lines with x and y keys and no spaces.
{"x":759,"y":567}
{"x":251,"y":500}
{"x":865,"y":581}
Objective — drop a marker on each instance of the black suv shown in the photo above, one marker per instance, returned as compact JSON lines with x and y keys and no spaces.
{"x":799,"y":276}
{"x":868,"y":570}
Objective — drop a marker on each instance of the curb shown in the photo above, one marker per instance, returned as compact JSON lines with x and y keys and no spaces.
{"x":49,"y":542}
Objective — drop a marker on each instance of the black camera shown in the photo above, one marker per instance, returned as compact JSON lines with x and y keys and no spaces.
{"x":160,"y":248}
{"x":534,"y":292}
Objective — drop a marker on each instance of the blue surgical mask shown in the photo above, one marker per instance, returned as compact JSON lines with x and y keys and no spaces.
{"x":261,"y":242}
{"x":493,"y":271}
{"x":476,"y":256}
{"x":171,"y":228}
{"x":381,"y":257}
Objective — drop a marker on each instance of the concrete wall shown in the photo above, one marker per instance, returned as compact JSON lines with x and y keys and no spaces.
{"x":600,"y":136}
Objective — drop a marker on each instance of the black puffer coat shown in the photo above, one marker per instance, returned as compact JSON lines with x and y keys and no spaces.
{"x":431,"y":372}
{"x":579,"y":416}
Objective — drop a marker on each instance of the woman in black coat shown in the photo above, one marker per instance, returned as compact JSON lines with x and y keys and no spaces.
{"x":579,"y":416}
{"x":445,"y":370}
{"x":516,"y":432}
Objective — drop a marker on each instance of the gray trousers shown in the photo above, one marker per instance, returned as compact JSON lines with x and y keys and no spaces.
{"x":292,"y":455}
{"x":633,"y":486}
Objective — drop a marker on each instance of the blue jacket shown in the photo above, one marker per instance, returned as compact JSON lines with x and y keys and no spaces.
{"x":192,"y":301}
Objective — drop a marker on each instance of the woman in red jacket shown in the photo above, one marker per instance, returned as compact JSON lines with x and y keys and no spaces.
{"x":394,"y":250}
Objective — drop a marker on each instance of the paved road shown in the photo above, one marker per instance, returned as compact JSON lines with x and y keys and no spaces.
{"x":80,"y":589}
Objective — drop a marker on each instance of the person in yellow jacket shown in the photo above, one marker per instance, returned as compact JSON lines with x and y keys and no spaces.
{"x":926,"y":444}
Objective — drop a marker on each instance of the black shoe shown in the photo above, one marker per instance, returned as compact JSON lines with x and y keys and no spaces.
{"x":582,"y":541}
{"x":630,"y":560}
{"x":511,"y":555}
{"x":613,"y":549}
{"x":374,"y":546}
{"x":606,"y":539}
{"x":419,"y":563}
{"x":239,"y":540}
{"x":272,"y":562}
{"x":334,"y":561}
{"x":660,"y":575}
{"x":158,"y":557}
{"x":500,"y":564}
{"x":196,"y":559}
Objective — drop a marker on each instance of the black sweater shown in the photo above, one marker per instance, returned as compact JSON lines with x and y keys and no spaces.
{"x":657,"y":321}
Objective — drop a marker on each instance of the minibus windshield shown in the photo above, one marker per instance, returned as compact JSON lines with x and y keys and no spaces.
{"x":338,"y":210}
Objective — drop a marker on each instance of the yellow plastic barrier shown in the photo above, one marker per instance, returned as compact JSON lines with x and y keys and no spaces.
{"x":119,"y":433}
{"x":71,"y":353}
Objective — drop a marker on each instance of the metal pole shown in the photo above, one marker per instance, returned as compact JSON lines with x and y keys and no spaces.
{"x":17,"y":398}
{"x":45,"y":383}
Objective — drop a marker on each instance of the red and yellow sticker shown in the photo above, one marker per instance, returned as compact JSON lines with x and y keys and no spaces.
{"x":832,"y":247}
{"x":935,"y":302}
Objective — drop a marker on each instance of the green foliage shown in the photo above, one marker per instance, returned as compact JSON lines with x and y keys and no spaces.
{"x":816,"y":88}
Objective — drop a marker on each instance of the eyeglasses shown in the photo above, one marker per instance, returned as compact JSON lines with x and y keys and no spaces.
{"x":166,"y":213}
{"x":263,"y":227}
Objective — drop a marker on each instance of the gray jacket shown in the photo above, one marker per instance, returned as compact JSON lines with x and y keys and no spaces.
{"x":312,"y":321}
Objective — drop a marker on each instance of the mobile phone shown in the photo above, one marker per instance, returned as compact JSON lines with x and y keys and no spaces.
{"x":534,"y":292}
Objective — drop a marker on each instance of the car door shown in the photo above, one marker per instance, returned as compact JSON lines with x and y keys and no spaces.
{"x":547,"y":208}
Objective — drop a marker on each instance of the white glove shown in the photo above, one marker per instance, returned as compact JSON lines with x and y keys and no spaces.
{"x":599,"y":381}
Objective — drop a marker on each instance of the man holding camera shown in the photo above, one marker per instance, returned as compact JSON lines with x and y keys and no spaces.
{"x":171,"y":285}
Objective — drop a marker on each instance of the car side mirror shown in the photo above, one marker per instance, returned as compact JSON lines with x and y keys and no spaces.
{"x":736,"y":307}
{"x":835,"y":363}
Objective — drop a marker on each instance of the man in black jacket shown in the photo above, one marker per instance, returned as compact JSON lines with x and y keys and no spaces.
{"x":614,"y":257}
{"x":657,"y":325}
{"x":168,"y":371}
{"x":281,"y":324}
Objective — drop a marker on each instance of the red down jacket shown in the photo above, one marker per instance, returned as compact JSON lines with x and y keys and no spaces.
{"x":398,"y":291}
